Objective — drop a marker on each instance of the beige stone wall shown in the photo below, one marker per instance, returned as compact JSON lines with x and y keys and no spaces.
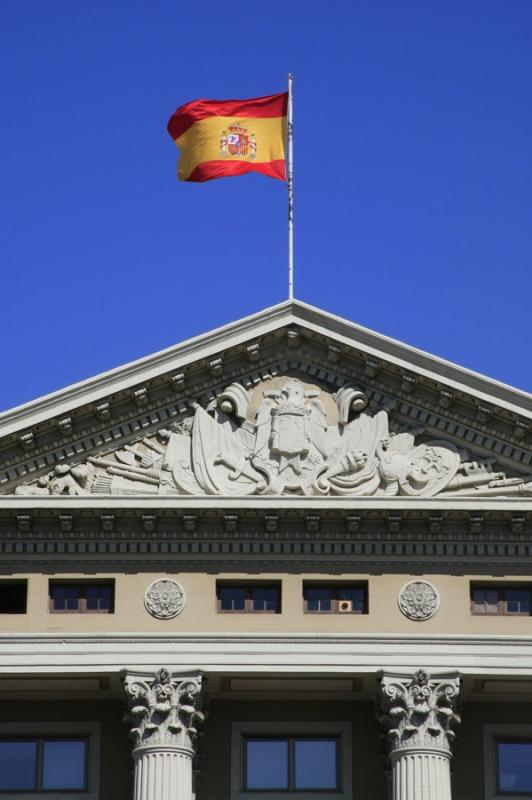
{"x":200,"y":615}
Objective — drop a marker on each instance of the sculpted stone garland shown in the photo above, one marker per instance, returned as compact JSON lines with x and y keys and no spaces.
{"x":285,"y":444}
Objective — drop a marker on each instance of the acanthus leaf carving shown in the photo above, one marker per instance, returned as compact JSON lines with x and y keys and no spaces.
{"x":164,"y":709}
{"x":291,"y":438}
{"x":419,"y":711}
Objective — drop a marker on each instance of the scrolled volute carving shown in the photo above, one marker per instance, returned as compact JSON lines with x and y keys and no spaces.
{"x":419,"y":711}
{"x":164,"y":710}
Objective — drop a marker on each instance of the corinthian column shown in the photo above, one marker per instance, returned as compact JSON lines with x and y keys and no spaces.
{"x":163,"y":713}
{"x":418,"y":713}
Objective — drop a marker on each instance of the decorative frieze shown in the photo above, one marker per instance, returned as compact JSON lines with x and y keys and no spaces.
{"x":215,"y":367}
{"x":140,"y":397}
{"x":103,"y":410}
{"x":64,"y":426}
{"x":253,"y":351}
{"x":177,"y":381}
{"x":27,"y":441}
{"x":445,"y":398}
{"x":288,"y":438}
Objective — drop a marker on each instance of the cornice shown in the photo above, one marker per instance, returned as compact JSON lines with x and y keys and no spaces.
{"x":265,"y":535}
{"x":186,"y":503}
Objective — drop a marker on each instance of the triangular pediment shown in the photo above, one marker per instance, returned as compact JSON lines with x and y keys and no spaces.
{"x":288,"y":401}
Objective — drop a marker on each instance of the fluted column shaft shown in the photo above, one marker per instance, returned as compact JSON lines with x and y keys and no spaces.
{"x":421,"y":775}
{"x":418,"y":713}
{"x":163,"y":773}
{"x":163,"y":713}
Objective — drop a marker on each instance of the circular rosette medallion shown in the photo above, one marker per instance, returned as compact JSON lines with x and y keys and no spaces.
{"x":165,"y":598}
{"x":419,"y":600}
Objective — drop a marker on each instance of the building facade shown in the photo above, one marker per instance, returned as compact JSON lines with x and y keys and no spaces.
{"x":288,"y":558}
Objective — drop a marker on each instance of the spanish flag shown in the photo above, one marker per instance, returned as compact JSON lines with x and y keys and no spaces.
{"x":220,"y":138}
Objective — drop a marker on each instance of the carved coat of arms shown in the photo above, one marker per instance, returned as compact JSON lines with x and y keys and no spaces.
{"x":286,"y":444}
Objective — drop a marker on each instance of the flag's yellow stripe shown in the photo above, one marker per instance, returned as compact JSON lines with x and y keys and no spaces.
{"x":201,"y":142}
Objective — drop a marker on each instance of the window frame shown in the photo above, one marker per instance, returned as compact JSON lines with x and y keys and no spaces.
{"x":341,"y":731}
{"x":291,"y":740}
{"x":15,"y":582}
{"x":84,"y":584}
{"x":90,"y":731}
{"x":335,"y":601}
{"x":248,"y":586}
{"x":502,"y":601}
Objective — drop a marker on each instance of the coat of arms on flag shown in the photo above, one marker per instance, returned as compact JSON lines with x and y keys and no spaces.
{"x":238,"y":141}
{"x":218,"y":138}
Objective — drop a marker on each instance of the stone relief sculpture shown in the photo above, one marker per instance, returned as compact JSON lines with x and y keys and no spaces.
{"x":286,"y":439}
{"x":418,"y":600}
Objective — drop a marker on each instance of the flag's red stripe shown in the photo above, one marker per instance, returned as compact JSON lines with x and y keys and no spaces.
{"x":274,"y":105}
{"x":223,"y":169}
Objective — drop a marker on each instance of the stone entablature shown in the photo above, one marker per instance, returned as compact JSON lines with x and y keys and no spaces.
{"x":267,"y":533}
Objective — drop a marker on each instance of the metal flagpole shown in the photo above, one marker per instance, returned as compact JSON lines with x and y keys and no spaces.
{"x":290,"y":173}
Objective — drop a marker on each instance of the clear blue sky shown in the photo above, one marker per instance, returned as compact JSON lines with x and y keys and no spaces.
{"x":413,"y":178}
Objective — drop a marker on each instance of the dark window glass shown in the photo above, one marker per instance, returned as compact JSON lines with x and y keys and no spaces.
{"x":266,"y":764}
{"x":501,"y":600}
{"x":40,"y":765}
{"x":64,"y":764}
{"x":315,"y":764}
{"x":291,"y":764}
{"x":13,"y":596}
{"x":249,"y":598}
{"x":18,"y":764}
{"x":233,"y":598}
{"x":331,"y":598}
{"x":514,"y":766}
{"x":81,"y":597}
{"x":265,"y":598}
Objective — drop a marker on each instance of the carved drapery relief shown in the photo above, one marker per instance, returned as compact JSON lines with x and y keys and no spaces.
{"x":419,"y":711}
{"x":164,"y":710}
{"x":290,"y":438}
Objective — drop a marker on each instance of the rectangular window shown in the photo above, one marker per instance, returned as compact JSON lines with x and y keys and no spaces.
{"x":248,"y":598}
{"x":13,"y":596}
{"x":43,"y":764}
{"x":508,"y":600}
{"x":82,"y":597}
{"x":291,"y":764}
{"x":335,"y":598}
{"x":514,"y":767}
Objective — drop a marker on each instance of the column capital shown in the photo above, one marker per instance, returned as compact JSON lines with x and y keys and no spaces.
{"x":418,"y":711}
{"x":164,"y":709}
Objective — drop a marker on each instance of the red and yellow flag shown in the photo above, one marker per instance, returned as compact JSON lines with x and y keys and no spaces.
{"x":220,"y":138}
